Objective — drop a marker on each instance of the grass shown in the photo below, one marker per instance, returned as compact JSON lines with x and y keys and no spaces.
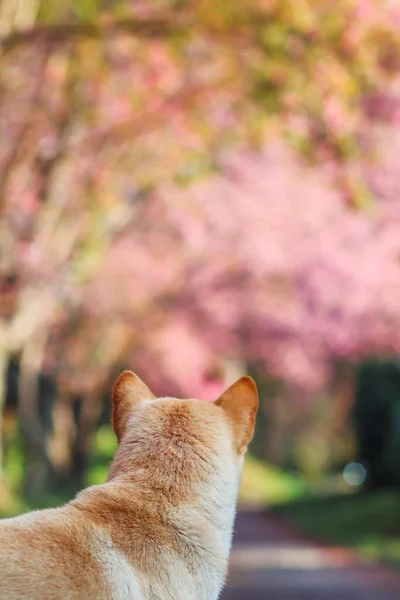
{"x":366,"y":522}
{"x":263,"y":484}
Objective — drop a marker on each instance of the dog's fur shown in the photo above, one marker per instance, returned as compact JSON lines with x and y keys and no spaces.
{"x":161,"y":527}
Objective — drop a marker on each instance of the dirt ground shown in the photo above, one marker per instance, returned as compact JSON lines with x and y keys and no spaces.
{"x":271,"y":560}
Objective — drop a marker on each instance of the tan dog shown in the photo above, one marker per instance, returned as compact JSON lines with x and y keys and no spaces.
{"x":161,"y":527}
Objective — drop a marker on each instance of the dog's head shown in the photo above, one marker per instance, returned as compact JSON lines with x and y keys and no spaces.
{"x":175,"y":444}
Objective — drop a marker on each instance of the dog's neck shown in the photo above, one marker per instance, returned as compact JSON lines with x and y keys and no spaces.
{"x":213,"y":503}
{"x":210,"y":505}
{"x":179,"y":476}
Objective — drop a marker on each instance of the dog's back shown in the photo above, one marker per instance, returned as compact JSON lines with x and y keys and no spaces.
{"x":161,"y":527}
{"x":47,"y":554}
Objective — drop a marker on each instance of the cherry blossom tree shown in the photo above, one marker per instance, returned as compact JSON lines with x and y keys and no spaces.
{"x":172,"y":200}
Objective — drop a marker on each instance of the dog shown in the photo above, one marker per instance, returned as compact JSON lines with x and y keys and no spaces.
{"x":161,"y":527}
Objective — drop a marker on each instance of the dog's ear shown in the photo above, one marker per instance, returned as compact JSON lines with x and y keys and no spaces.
{"x":129,"y":391}
{"x":240,"y":403}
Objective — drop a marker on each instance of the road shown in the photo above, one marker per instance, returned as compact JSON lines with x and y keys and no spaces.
{"x":271,"y":560}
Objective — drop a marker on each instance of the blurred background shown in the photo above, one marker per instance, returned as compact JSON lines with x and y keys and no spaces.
{"x":196,"y":190}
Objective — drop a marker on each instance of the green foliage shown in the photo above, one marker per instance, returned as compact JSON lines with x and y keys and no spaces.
{"x":87,"y":10}
{"x":105,"y":445}
{"x":58,"y":11}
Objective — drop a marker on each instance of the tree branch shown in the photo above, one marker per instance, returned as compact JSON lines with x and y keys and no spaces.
{"x":146,"y":28}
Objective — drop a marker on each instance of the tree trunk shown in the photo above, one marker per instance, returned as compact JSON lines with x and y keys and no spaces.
{"x":87,"y":420}
{"x":61,"y":441}
{"x":3,"y":391}
{"x":38,"y":471}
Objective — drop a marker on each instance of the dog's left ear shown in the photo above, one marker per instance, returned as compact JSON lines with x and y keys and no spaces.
{"x":240,"y":403}
{"x":129,"y":391}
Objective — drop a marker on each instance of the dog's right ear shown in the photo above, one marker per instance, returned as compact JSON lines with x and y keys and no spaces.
{"x":129,"y":391}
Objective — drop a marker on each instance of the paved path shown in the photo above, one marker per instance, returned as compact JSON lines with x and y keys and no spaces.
{"x":272,"y":561}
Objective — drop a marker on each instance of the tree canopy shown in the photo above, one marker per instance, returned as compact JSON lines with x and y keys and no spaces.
{"x":187,"y":180}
